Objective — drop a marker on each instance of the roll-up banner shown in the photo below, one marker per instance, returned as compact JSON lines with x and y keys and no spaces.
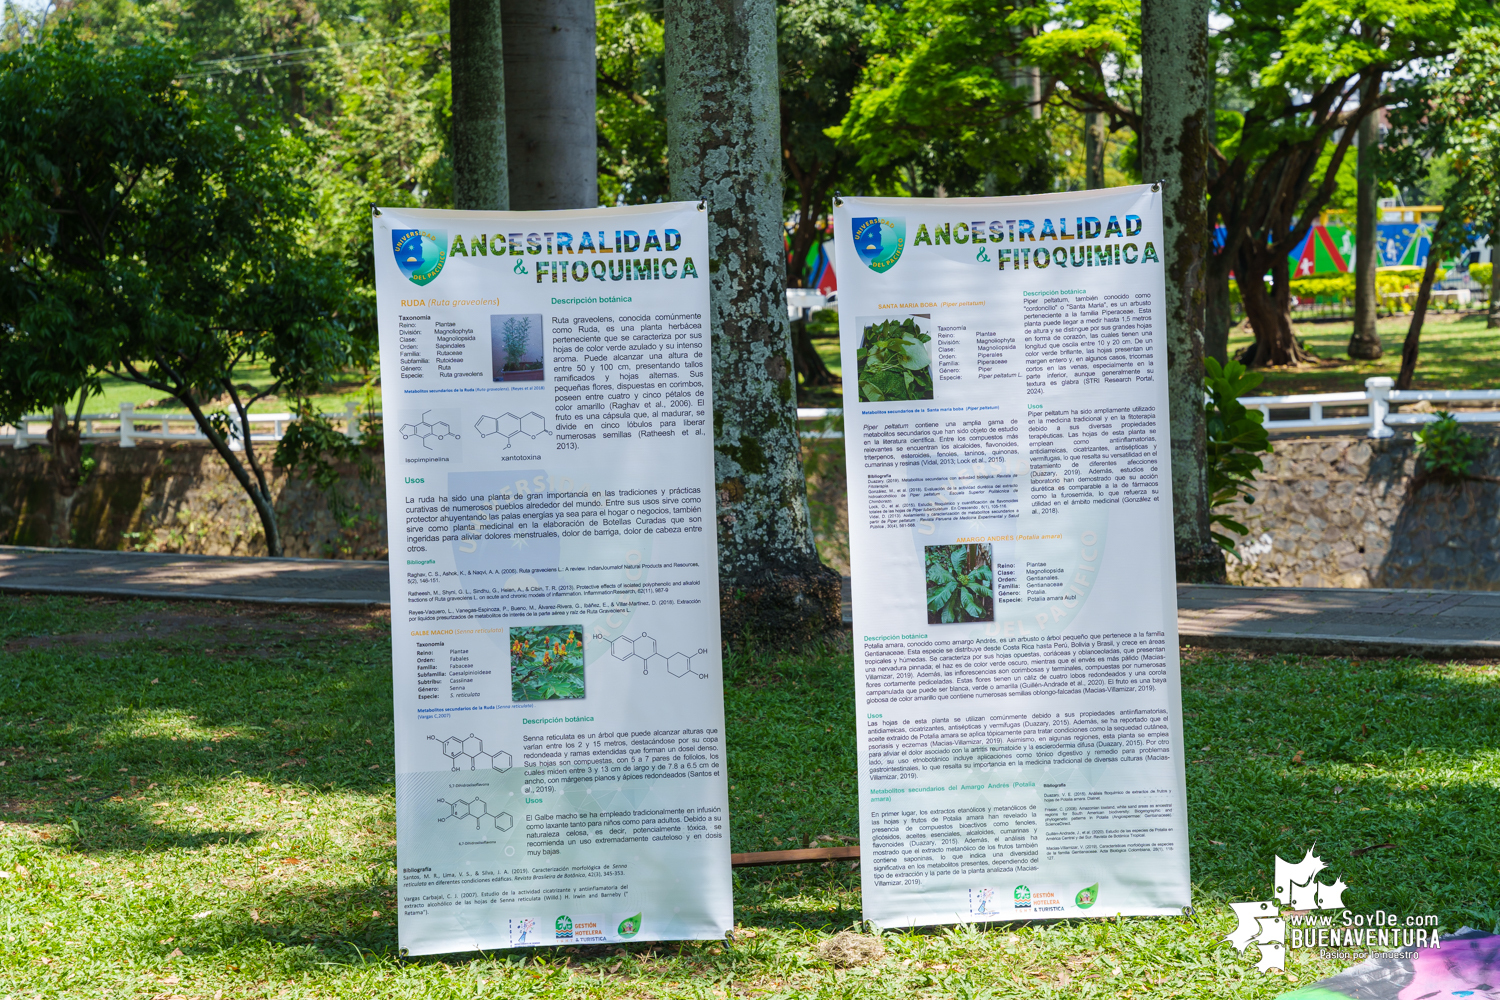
{"x":559,"y":707}
{"x":1010,"y":521}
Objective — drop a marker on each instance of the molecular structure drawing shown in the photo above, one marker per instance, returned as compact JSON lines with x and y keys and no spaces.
{"x":641,"y":651}
{"x":424,"y":429}
{"x":508,"y":425}
{"x":473,"y":748}
{"x":477,"y":810}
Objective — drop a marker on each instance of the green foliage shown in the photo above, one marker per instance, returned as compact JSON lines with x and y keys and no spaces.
{"x":631,"y":108}
{"x":959,"y":582}
{"x":1446,"y":450}
{"x":941,"y":103}
{"x":313,"y":448}
{"x":546,"y":662}
{"x":1449,"y":117}
{"x":1236,"y":440}
{"x":161,"y":236}
{"x":517,"y":331}
{"x":154,"y":234}
{"x":894,"y":362}
{"x":820,"y":53}
{"x":1482,"y":273}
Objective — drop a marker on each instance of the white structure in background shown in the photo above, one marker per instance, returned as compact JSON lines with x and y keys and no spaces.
{"x":130,"y":427}
{"x":801,"y":303}
{"x":1376,"y":421}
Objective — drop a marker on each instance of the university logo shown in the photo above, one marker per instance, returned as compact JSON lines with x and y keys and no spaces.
{"x":420,"y":253}
{"x":1087,"y":897}
{"x":879,"y":242}
{"x":630,"y":926}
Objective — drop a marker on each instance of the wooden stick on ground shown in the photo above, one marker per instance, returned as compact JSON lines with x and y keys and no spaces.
{"x":756,"y":859}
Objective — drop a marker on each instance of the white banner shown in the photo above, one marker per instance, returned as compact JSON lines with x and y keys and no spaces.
{"x":1010,"y":521}
{"x":554,"y":577}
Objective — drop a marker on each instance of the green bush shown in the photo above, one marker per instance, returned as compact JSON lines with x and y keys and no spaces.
{"x":1446,"y":450}
{"x":1481,"y":273}
{"x":1236,"y":440}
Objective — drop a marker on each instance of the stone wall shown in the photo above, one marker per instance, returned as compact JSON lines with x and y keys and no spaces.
{"x":1342,"y":512}
{"x":182,"y":498}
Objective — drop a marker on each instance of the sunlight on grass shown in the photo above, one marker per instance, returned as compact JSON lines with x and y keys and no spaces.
{"x":1457,"y":353}
{"x":196,"y":801}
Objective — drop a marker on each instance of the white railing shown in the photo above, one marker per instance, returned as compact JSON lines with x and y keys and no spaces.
{"x":1376,"y":399}
{"x":127,"y":426}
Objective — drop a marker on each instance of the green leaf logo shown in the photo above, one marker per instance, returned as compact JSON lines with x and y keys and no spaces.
{"x":1087,"y":897}
{"x":630,"y":926}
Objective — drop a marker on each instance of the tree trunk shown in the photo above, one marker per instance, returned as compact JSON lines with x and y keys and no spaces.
{"x":66,"y":473}
{"x":550,"y":80}
{"x":809,"y":362}
{"x":1269,"y":313}
{"x":1218,"y":313}
{"x":1494,"y":312}
{"x":1175,"y":87}
{"x":1364,"y":343}
{"x":1418,"y":315}
{"x":1095,"y":141}
{"x":480,"y":180}
{"x":723,"y":146}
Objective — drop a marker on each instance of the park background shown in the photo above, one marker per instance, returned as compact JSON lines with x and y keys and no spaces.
{"x":195,"y":799}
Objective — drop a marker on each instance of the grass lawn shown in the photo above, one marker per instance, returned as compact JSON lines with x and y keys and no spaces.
{"x":196,"y":802}
{"x":1457,"y":353}
{"x":350,"y":387}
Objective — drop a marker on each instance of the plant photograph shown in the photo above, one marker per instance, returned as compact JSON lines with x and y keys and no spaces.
{"x":960,"y":581}
{"x":516,"y":348}
{"x":546,"y":662}
{"x":894,"y":362}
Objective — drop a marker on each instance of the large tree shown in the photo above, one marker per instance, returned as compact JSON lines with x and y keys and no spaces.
{"x":481,"y":175}
{"x":1175,"y":86}
{"x":724,"y":148}
{"x":162,"y":237}
{"x":1448,"y":117}
{"x":550,"y":104}
{"x":1290,"y":78}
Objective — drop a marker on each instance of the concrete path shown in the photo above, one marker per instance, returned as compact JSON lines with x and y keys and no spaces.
{"x":1430,"y":623}
{"x":1461,"y":624}
{"x":214,"y":578}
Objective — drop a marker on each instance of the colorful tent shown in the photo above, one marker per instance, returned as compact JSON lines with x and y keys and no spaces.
{"x":1320,"y":252}
{"x":819,"y":265}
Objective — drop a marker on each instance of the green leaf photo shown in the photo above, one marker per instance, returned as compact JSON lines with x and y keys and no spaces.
{"x":894,"y":362}
{"x":960,"y":581}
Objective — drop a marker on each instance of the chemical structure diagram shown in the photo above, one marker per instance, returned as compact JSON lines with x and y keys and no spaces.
{"x":473,"y":748}
{"x":424,"y":429}
{"x":508,"y":425}
{"x":641,"y":651}
{"x":477,"y":810}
